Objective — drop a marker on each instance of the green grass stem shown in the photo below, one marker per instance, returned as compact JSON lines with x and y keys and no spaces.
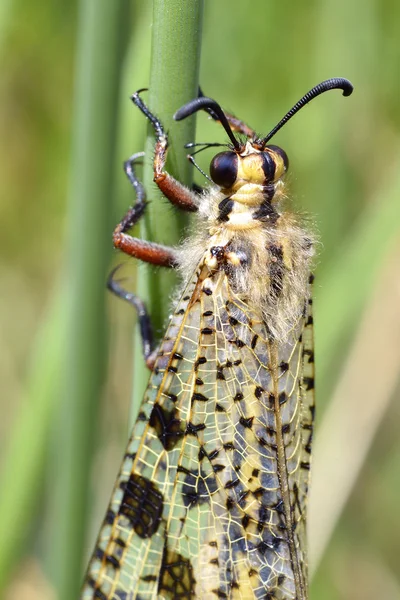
{"x":174,"y":79}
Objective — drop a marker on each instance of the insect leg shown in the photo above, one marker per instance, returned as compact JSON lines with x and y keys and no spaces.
{"x":235,"y":123}
{"x":176,"y":193}
{"x":146,"y":329}
{"x":150,"y":252}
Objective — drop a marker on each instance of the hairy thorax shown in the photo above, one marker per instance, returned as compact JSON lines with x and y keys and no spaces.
{"x":265,"y":253}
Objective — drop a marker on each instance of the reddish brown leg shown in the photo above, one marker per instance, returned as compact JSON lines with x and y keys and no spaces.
{"x":150,"y":252}
{"x":176,"y":193}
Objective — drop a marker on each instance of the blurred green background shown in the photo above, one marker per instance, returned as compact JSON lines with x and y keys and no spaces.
{"x":257,"y":59}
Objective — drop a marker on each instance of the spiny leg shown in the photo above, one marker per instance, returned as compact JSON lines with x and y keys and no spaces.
{"x":176,"y":193}
{"x":146,"y":251}
{"x":150,"y":252}
{"x":146,"y":329}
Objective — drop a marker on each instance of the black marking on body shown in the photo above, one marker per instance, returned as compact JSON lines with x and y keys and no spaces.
{"x":218,"y":252}
{"x":266,"y":211}
{"x":276,"y":269}
{"x":166,"y":425}
{"x":225,"y":207}
{"x":142,"y":504}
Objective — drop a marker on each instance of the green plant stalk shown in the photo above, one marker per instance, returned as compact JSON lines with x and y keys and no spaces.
{"x":88,"y":247}
{"x":174,"y":79}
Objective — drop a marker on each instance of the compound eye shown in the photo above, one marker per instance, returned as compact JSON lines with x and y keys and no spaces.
{"x":282,"y":154}
{"x":224,"y":168}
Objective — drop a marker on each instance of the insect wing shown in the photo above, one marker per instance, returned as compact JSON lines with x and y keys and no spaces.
{"x":211,"y":496}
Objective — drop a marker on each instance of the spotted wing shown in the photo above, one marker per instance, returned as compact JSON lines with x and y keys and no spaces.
{"x":210,"y":500}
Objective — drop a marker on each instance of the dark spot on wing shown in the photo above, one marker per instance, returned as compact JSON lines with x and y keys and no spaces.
{"x":166,"y":425}
{"x":176,"y":577}
{"x":200,"y":361}
{"x":192,"y":429}
{"x":142,"y":504}
{"x":196,"y":487}
{"x":246,"y":422}
{"x":282,"y":398}
{"x":258,"y":392}
{"x":200,"y":397}
{"x":308,"y":382}
{"x":284,"y":366}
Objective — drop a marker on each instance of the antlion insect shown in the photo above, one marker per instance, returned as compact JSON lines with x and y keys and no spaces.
{"x":211,"y":498}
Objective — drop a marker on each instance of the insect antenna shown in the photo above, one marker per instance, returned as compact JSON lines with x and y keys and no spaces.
{"x":208,"y":105}
{"x":329,"y":84}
